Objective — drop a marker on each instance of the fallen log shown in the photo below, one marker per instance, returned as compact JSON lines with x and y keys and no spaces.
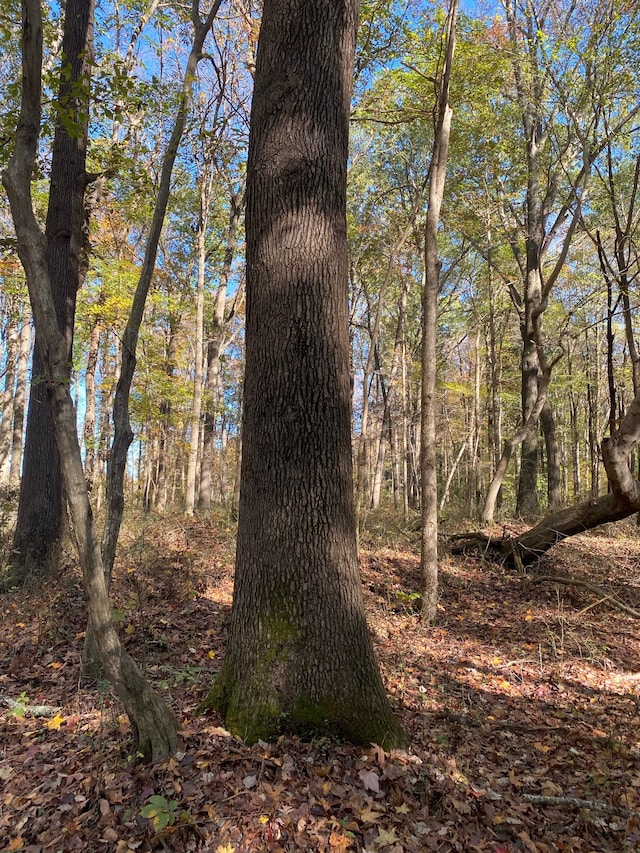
{"x":622,"y":501}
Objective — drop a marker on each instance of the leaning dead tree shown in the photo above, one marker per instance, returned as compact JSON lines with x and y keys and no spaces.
{"x":622,"y":501}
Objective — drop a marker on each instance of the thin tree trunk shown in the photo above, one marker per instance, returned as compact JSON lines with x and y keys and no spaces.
{"x":237,"y":480}
{"x":548,"y":424}
{"x":495,"y":408}
{"x":214,"y":351}
{"x":529,"y":427}
{"x":196,"y":405}
{"x":24,"y":348}
{"x":575,"y":432}
{"x":159,"y":495}
{"x":153,"y":724}
{"x":451,"y":474}
{"x":362,"y":453}
{"x":104,"y":429}
{"x":90,"y":405}
{"x":476,"y":432}
{"x":386,"y":429}
{"x":593,"y":411}
{"x":428,"y":472}
{"x":8,"y":395}
{"x":123,"y":434}
{"x":404,"y":450}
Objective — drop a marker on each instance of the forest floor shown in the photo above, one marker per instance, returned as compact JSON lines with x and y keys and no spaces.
{"x":523,"y":691}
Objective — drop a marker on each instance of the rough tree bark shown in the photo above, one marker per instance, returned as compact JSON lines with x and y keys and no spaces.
{"x":300,"y":657}
{"x":153,"y":724}
{"x":41,"y":515}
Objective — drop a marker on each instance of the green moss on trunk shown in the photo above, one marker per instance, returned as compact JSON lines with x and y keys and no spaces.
{"x":259,"y":720}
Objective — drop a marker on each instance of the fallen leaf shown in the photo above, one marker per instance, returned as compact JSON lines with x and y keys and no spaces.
{"x":55,"y":722}
{"x":379,"y":754}
{"x":461,"y":806}
{"x":338,"y":841}
{"x":369,"y":816}
{"x":15,"y":844}
{"x":370,"y":780}
{"x":386,"y":836}
{"x":528,"y":843}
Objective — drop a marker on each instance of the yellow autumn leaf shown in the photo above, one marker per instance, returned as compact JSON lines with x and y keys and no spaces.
{"x":264,"y":818}
{"x":55,"y":722}
{"x":211,"y":655}
{"x":369,"y":816}
{"x":528,"y":616}
{"x":386,"y":836}
{"x":227,"y":848}
{"x":403,"y":808}
{"x":542,"y":747}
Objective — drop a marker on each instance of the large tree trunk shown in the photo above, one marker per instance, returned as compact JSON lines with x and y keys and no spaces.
{"x":300,"y":656}
{"x":152,"y":722}
{"x":41,"y":506}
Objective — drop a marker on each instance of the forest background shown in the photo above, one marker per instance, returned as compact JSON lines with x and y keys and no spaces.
{"x":536,"y":335}
{"x":578,"y":73}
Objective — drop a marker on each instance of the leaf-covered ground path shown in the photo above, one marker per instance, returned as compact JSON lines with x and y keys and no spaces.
{"x":522,"y":691}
